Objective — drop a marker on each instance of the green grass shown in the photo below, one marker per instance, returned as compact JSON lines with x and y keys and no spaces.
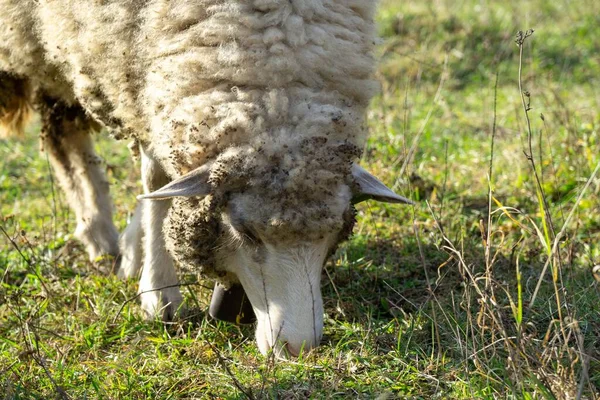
{"x":423,"y":302}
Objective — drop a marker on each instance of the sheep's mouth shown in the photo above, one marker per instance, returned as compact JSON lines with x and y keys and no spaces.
{"x":231,"y":304}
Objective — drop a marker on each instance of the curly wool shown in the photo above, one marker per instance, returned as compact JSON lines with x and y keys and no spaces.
{"x":294,"y":190}
{"x":274,"y":88}
{"x":191,"y":231}
{"x":195,"y":77}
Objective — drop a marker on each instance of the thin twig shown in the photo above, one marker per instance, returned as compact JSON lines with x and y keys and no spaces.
{"x":526,"y":103}
{"x":39,"y":359}
{"x":337,"y":293}
{"x":416,"y":139}
{"x":429,"y":288}
{"x":129,"y":300}
{"x":560,"y":234}
{"x":443,"y":193}
{"x":488,"y":238}
{"x":237,"y":383}
{"x":491,"y":167}
{"x":553,"y":252}
{"x":27,"y":261}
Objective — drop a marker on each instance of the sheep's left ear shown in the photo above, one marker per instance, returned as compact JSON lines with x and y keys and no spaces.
{"x":193,"y":184}
{"x":371,"y":188}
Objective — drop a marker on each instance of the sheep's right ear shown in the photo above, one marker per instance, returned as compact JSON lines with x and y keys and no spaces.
{"x":193,"y":184}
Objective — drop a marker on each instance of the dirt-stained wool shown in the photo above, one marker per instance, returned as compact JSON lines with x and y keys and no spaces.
{"x":294,"y":190}
{"x":272,"y":93}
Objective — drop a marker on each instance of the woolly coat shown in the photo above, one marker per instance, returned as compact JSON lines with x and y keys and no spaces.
{"x":272,"y":92}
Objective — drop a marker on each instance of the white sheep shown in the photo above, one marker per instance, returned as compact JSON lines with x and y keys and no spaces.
{"x":249,"y":116}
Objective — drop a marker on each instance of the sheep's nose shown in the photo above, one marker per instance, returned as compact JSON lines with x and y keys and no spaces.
{"x":286,"y":344}
{"x":292,"y":350}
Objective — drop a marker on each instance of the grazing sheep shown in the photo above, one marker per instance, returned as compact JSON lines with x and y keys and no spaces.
{"x":248,"y":116}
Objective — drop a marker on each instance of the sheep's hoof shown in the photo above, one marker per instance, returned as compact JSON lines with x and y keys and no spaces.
{"x":231,"y":305}
{"x":128,"y":267}
{"x":107,"y":264}
{"x":161,"y":304}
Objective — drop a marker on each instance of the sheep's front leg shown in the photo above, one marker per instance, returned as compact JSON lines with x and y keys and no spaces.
{"x":159,"y":294}
{"x":131,"y":245}
{"x":66,"y":138}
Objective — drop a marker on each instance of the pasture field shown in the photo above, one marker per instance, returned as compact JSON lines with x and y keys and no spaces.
{"x":484,"y":289}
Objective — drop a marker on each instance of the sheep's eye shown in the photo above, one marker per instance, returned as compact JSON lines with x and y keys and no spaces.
{"x":248,"y":235}
{"x":245,"y":233}
{"x":242,"y":229}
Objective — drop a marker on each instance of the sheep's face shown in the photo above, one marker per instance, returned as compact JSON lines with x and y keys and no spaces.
{"x":274,"y":235}
{"x":277,"y":249}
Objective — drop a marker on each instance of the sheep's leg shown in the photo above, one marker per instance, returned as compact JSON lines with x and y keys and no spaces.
{"x":159,"y":294}
{"x":15,"y":107}
{"x":131,"y":246}
{"x":66,"y":138}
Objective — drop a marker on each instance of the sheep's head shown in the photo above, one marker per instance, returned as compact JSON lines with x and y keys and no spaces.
{"x":271,"y":222}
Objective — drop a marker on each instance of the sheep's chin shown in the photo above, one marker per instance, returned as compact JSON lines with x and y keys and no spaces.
{"x":284,"y":289}
{"x":286,"y":340}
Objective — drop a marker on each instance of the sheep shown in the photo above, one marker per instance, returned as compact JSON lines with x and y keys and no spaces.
{"x":248,"y":117}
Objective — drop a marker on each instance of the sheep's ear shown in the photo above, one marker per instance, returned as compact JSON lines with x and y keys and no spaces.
{"x":371,"y":188}
{"x":193,"y":184}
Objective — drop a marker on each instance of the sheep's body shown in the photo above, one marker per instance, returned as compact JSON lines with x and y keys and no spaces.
{"x":195,"y":77}
{"x":269,"y":94}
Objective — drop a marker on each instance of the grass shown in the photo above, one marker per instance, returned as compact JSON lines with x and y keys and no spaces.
{"x":431,"y":301}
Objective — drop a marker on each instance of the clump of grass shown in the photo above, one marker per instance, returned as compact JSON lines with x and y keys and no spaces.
{"x":502,"y":321}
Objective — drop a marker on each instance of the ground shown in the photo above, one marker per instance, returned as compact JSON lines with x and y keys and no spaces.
{"x":484,"y":289}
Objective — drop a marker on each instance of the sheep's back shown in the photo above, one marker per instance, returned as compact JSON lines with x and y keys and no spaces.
{"x":77,"y":51}
{"x":196,"y":77}
{"x":232,"y":73}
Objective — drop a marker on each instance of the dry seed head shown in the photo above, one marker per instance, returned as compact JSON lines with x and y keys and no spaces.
{"x":521,"y":36}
